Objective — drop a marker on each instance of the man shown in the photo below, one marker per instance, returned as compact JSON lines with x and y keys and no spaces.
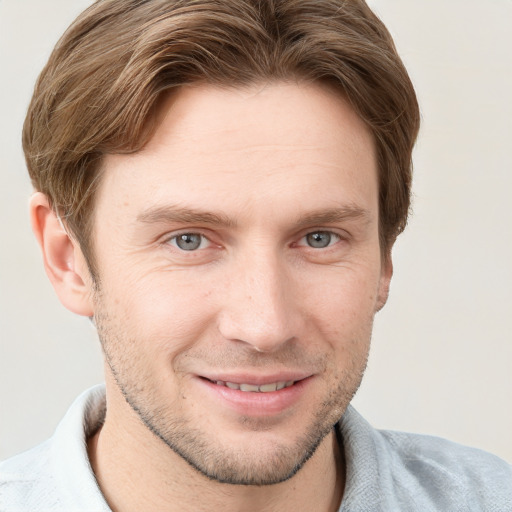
{"x":219,"y":186}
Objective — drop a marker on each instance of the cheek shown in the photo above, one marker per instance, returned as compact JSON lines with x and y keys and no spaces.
{"x":344,"y":299}
{"x":164,"y":312}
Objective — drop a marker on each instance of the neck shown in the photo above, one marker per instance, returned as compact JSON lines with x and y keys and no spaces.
{"x":124,"y":452}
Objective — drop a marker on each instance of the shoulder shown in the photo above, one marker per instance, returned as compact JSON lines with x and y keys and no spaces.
{"x":26,"y":483}
{"x":445,"y":464}
{"x":56,"y":475}
{"x":389,"y":470}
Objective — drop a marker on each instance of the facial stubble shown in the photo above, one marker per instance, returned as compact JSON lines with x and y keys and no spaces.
{"x":198,"y":446}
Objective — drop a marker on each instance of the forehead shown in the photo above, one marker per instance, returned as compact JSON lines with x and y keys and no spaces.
{"x":267,"y":146}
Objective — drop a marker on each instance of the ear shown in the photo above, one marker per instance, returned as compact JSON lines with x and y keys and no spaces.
{"x":385,"y":280}
{"x":64,"y":262}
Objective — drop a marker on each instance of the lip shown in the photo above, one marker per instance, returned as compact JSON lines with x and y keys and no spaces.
{"x":257,"y":379}
{"x":256,"y":404}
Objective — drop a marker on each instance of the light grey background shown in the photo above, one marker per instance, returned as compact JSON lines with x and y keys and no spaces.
{"x":441,"y":359}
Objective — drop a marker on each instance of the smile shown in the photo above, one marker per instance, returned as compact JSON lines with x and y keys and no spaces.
{"x":264,"y":388}
{"x":257,"y":396}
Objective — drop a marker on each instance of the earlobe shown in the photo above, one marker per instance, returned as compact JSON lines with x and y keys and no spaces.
{"x":384,"y":283}
{"x":63,"y":259}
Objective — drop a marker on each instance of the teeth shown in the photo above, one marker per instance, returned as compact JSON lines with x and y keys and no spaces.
{"x":268,"y":387}
{"x":264,"y":388}
{"x":249,"y":387}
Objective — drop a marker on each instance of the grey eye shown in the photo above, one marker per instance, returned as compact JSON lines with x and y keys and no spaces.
{"x":319,"y":239}
{"x":189,"y":241}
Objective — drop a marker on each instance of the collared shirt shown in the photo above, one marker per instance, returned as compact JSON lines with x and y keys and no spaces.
{"x":386,"y":471}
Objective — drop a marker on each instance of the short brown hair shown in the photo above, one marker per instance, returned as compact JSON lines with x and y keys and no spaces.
{"x":102,"y":83}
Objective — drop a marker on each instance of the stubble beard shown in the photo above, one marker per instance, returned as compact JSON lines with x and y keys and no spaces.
{"x":199,"y":447}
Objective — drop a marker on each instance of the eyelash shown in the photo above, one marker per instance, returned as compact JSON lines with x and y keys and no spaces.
{"x":332,"y":235}
{"x":175,"y":238}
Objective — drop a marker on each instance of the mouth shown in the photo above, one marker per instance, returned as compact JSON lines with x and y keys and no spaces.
{"x":254,"y":388}
{"x":254,"y":396}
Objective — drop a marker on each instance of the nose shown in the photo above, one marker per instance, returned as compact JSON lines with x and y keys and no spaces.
{"x":260,"y":305}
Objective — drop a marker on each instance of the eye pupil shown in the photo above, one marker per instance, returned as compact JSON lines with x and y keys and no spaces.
{"x":319,"y":240}
{"x":188,"y":241}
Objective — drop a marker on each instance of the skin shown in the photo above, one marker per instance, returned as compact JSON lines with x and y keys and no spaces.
{"x":255,"y":177}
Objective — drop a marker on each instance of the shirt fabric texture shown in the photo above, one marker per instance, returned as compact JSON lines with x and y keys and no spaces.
{"x":386,"y":471}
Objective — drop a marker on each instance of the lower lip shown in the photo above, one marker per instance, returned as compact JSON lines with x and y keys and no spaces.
{"x":257,"y":404}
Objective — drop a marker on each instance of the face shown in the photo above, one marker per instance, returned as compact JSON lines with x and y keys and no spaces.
{"x":240,"y":270}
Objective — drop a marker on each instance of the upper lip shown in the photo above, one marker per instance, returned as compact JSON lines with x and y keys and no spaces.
{"x":257,"y":379}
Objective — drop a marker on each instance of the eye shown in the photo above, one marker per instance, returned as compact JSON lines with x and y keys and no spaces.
{"x":321,"y":239}
{"x":189,"y":241}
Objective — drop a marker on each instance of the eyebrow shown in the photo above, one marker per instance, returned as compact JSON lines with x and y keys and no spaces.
{"x":169,"y":214}
{"x":334,"y":215}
